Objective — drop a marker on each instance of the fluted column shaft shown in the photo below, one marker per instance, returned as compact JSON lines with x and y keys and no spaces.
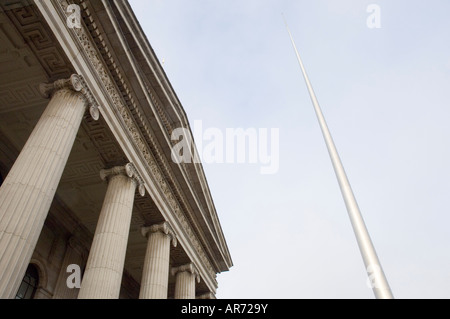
{"x":155,"y":275}
{"x":28,"y":190}
{"x":103,"y":275}
{"x":186,"y":276}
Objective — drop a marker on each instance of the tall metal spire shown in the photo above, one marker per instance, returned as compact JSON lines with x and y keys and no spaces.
{"x":377,"y":278}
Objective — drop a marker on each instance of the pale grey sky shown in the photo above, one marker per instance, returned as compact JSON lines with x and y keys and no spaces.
{"x":385,"y":94}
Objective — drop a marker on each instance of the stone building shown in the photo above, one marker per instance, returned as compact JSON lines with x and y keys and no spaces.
{"x":88,"y":186}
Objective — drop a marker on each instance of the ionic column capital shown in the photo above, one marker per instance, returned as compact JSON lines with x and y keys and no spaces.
{"x":128,"y":170}
{"x":187,"y":268}
{"x":75,"y":83}
{"x":164,"y":228}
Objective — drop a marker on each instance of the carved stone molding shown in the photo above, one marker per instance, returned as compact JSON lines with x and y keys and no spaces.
{"x":75,"y":83}
{"x":127,"y":170}
{"x":39,"y":37}
{"x":163,"y":228}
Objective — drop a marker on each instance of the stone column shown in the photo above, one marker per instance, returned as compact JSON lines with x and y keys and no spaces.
{"x":155,"y":276}
{"x":186,"y":276}
{"x":75,"y":254}
{"x":103,"y":275}
{"x":27,"y":192}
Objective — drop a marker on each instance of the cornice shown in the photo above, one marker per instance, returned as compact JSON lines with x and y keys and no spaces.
{"x":193,"y":174}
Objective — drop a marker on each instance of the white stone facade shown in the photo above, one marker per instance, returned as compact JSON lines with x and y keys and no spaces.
{"x":78,"y":104}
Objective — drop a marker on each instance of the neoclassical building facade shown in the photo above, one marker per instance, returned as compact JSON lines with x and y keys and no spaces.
{"x":88,"y":186}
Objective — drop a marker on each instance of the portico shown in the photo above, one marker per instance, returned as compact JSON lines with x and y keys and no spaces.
{"x":85,"y":161}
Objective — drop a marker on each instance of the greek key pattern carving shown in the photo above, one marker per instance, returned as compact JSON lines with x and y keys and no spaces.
{"x":28,"y":21}
{"x":11,"y":97}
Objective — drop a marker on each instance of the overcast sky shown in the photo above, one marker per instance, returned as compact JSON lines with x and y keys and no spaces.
{"x":385,"y":93}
